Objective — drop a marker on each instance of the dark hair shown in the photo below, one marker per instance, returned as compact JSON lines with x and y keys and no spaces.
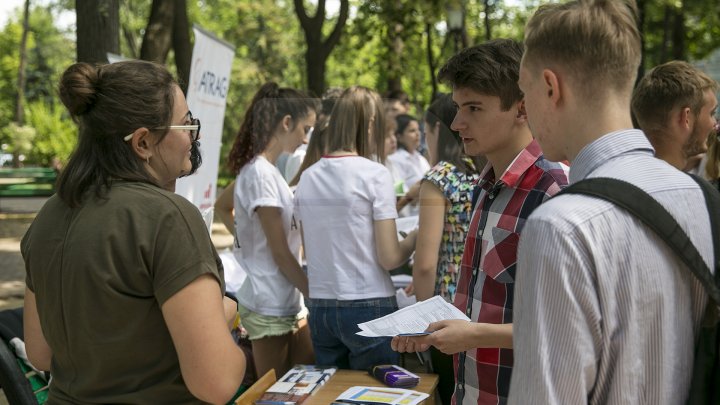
{"x":316,"y":148}
{"x":491,"y":68}
{"x":268,"y":107}
{"x":109,"y":102}
{"x":449,"y":146}
{"x":402,"y":121}
{"x":329,"y":98}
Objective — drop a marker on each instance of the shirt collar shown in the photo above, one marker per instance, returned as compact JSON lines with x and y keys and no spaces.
{"x":522,"y":162}
{"x":607,"y":147}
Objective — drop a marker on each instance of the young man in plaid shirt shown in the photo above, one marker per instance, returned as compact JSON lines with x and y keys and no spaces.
{"x":491,"y":120}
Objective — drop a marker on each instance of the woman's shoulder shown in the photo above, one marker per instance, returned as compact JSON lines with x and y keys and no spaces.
{"x":152,"y":198}
{"x":446,"y":174}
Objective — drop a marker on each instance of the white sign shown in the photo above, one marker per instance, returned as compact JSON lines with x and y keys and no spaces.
{"x":206,"y":97}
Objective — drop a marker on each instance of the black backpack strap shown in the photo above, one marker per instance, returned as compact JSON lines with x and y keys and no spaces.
{"x":712,"y":200}
{"x":655,"y":216}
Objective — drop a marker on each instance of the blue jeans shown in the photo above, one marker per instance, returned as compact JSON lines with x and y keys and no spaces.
{"x":333,"y":324}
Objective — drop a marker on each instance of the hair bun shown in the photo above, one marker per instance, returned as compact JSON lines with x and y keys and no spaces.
{"x":78,"y":87}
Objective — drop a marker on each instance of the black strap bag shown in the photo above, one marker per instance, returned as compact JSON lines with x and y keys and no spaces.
{"x":705,"y":386}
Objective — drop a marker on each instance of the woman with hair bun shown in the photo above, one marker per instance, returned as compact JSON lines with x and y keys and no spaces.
{"x":271,"y":310}
{"x":124,"y":300}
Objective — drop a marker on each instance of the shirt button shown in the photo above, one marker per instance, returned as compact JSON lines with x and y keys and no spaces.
{"x":491,"y":196}
{"x":459,"y":386}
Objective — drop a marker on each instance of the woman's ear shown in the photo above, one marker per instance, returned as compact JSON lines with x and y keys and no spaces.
{"x":142,"y":143}
{"x":287,"y":122}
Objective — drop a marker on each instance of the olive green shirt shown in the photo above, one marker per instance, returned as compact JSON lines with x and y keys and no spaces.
{"x":100,"y":273}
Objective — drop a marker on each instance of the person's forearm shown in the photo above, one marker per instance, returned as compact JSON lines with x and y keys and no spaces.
{"x":292,"y":271}
{"x":228,"y":220}
{"x":423,"y":279}
{"x":494,"y":335}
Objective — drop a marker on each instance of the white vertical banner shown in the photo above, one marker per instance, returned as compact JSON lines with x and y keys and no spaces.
{"x":206,"y":97}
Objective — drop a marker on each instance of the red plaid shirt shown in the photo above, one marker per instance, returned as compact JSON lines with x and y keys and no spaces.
{"x":487,"y":273}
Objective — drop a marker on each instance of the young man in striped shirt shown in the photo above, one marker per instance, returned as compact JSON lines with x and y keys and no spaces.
{"x":606,"y":313}
{"x":491,"y":120}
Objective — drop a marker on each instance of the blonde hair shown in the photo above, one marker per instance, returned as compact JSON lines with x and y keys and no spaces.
{"x":670,"y":85}
{"x":357,"y":124}
{"x":596,"y":41}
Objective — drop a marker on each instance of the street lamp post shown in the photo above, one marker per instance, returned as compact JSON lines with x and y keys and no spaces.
{"x":456,"y":21}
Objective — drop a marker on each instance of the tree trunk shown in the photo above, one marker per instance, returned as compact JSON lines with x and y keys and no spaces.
{"x":19,"y":101}
{"x":98,"y":29}
{"x":667,"y":16}
{"x":130,"y":41}
{"x":318,"y":50}
{"x":158,"y":33}
{"x":488,"y":31}
{"x":181,"y":43}
{"x":315,"y":72}
{"x":394,"y":57}
{"x":431,"y":60}
{"x":678,"y":37}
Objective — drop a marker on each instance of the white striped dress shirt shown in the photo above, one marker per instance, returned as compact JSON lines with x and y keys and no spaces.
{"x":605,"y":313}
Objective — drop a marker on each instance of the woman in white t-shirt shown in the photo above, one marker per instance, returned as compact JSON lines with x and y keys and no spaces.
{"x":270,"y":299}
{"x":346,"y":208}
{"x":411,"y":164}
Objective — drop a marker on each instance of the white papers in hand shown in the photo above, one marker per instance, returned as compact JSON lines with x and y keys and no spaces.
{"x":413,"y":319}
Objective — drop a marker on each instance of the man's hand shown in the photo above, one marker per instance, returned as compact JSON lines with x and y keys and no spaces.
{"x":454,"y":336}
{"x":409,"y":344}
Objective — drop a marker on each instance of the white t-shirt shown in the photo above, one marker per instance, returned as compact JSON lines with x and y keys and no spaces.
{"x":292,"y":166}
{"x":337,"y":201}
{"x":266,"y":290}
{"x":411,"y":167}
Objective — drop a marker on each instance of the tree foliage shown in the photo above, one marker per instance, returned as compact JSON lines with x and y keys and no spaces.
{"x":385,"y":44}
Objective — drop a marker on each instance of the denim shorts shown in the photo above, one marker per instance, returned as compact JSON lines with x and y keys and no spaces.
{"x":259,"y":326}
{"x":333,"y":327}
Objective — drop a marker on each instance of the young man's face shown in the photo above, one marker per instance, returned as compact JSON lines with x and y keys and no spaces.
{"x":536,"y":97}
{"x":483,"y":126}
{"x":703,"y":127}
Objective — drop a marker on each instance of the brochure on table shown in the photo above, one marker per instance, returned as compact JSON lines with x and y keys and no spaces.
{"x":296,"y":385}
{"x":380,"y":395}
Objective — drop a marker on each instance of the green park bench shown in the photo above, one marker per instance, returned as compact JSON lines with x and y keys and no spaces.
{"x":27,"y":182}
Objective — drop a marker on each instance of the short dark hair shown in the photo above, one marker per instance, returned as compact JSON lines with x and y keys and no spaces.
{"x":491,"y":68}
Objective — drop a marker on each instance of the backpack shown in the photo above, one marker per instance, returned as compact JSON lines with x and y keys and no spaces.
{"x":705,"y":384}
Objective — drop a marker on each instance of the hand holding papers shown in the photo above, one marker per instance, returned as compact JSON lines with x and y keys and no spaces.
{"x":412,"y":320}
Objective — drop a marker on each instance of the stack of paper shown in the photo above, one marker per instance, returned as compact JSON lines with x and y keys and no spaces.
{"x":412,"y":320}
{"x":296,"y":385}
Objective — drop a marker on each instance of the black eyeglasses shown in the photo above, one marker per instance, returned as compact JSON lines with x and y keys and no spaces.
{"x":194,"y":129}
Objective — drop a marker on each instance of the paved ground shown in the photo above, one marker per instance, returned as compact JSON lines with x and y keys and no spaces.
{"x":16,"y":214}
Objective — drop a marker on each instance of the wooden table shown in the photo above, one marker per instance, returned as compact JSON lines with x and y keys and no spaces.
{"x":344,"y":379}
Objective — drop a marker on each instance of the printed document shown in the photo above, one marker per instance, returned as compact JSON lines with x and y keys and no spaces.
{"x":412,"y":320}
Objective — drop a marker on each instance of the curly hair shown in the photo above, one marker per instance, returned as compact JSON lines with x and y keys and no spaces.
{"x":268,"y":107}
